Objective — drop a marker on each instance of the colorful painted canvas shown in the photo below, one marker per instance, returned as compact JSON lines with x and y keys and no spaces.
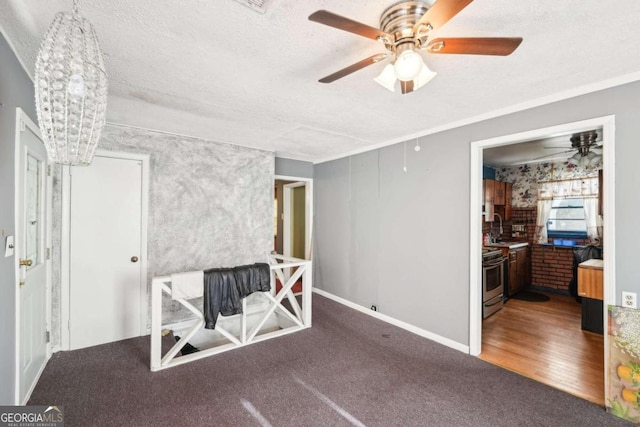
{"x":623,"y":394}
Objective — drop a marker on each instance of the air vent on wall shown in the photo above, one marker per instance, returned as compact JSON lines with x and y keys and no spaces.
{"x":257,"y":5}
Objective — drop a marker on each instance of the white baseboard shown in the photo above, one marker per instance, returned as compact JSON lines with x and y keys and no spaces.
{"x":399,"y":323}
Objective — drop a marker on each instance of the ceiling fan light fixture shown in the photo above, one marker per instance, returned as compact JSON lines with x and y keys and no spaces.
{"x":575,"y":159}
{"x":387,"y":78}
{"x":594,"y":158}
{"x":424,"y":77}
{"x":408,"y":63}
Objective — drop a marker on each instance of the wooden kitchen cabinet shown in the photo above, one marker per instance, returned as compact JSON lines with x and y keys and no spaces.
{"x":488,"y":188}
{"x":513,"y":273}
{"x":518,"y":269}
{"x":498,"y":193}
{"x":590,"y":288}
{"x":590,"y":279}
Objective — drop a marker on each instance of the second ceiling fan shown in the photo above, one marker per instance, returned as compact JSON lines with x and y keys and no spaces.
{"x":404,"y":30}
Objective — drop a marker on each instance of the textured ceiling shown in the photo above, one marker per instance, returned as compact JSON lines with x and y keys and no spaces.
{"x":218,"y":70}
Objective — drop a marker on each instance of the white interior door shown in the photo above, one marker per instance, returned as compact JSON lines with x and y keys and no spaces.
{"x":106,"y":286}
{"x":32,"y":259}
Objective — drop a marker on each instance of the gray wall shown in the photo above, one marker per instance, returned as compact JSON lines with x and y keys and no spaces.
{"x":16,"y":90}
{"x":401,"y":240}
{"x":296,"y":168}
{"x":210,"y":204}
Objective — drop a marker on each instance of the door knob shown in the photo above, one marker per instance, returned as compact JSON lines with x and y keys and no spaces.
{"x":134,"y":259}
{"x":25,"y":263}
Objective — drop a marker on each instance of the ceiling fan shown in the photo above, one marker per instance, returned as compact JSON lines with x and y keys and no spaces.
{"x":586,"y":145}
{"x":404,"y":30}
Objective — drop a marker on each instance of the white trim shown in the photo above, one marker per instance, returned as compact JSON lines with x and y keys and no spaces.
{"x":22,"y":117}
{"x":393,"y":321}
{"x":475,"y":253}
{"x":17,"y":244}
{"x":292,"y":178}
{"x":66,"y":247}
{"x":608,"y":233}
{"x":475,"y":238}
{"x":308,"y":200}
{"x":286,"y":223}
{"x":308,"y":219}
{"x":570,"y":93}
{"x":286,"y":218}
{"x":49,"y":246}
{"x":65,"y":256}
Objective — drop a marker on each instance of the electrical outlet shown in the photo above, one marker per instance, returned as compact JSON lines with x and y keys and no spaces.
{"x":629,"y":300}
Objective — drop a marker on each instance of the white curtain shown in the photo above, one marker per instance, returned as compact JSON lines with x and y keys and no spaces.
{"x":544,"y":210}
{"x":591,"y":218}
{"x":581,"y":187}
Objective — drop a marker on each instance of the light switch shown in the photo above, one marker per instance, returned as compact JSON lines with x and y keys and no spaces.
{"x":8,"y":246}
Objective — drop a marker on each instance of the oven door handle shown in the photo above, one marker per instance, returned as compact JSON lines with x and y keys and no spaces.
{"x":494,"y":263}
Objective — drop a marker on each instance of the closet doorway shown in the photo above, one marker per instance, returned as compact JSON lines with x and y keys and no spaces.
{"x":105,"y":288}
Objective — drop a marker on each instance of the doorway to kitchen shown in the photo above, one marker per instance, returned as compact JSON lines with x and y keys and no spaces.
{"x":552,"y":373}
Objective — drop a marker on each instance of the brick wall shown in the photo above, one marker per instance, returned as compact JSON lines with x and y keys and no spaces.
{"x":525,"y":216}
{"x":551,"y":267}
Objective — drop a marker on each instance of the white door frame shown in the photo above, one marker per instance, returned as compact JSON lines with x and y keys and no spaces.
{"x":22,"y":121}
{"x":288,"y":217}
{"x":308,"y":217}
{"x":65,"y":273}
{"x":475,"y":239}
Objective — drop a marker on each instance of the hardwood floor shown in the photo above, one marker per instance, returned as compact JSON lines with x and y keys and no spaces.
{"x":544,"y":341}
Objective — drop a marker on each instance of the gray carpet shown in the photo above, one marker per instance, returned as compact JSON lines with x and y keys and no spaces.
{"x":348,"y":369}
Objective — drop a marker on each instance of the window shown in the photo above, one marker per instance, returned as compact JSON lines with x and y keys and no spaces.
{"x":567,"y":219}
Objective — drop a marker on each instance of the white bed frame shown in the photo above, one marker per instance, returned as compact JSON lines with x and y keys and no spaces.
{"x":280,"y":267}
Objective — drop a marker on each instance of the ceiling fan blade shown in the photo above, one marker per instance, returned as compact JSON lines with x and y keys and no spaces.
{"x":440,"y":13}
{"x":501,"y":46}
{"x":340,"y":22}
{"x":406,"y":86}
{"x":554,"y":154}
{"x":353,"y":68}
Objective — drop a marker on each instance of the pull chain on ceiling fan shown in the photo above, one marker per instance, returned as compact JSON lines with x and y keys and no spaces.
{"x":404,"y":30}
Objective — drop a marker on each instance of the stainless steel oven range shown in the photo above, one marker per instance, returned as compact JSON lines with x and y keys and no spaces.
{"x":492,"y":280}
